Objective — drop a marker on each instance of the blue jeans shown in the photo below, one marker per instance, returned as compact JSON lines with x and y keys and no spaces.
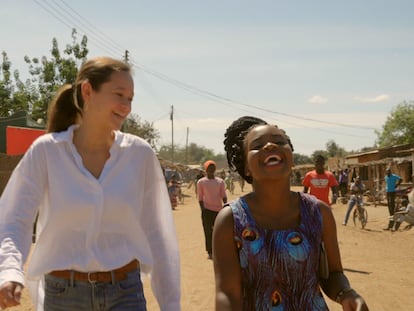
{"x":351,"y":205}
{"x":72,"y":295}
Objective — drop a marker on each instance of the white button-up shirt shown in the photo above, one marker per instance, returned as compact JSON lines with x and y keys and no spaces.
{"x":89,"y":224}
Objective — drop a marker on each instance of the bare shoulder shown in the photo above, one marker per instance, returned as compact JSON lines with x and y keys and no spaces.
{"x":224,"y":217}
{"x":327,"y":216}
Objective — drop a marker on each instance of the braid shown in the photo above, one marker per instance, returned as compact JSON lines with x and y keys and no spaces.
{"x":234,"y":144}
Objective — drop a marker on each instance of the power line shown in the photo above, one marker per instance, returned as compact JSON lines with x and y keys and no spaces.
{"x":56,"y":13}
{"x":106,"y":42}
{"x":223,"y":100}
{"x":109,"y":39}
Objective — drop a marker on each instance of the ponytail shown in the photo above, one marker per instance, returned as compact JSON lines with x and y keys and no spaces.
{"x":64,"y":110}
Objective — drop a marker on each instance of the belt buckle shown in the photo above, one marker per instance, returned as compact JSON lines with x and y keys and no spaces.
{"x":93,"y":282}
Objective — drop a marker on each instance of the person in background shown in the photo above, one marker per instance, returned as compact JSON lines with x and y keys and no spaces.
{"x":104,"y":210}
{"x":392,"y":181}
{"x":405,"y":214}
{"x":343,"y":182}
{"x":319,"y":181}
{"x":267,"y":243}
{"x":356,"y":189}
{"x":174,"y":191}
{"x":211,"y":192}
{"x":222,"y":174}
{"x":336,"y":174}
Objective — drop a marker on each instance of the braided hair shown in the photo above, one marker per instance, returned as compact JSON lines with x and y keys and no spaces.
{"x":234,"y":143}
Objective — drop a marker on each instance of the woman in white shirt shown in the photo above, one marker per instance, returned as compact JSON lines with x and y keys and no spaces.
{"x":104,"y":210}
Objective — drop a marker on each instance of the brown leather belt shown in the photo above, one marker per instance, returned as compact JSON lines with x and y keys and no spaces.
{"x":101,"y":277}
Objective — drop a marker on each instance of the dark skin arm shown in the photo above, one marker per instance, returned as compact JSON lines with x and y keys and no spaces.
{"x":201,"y":204}
{"x":337,"y":281}
{"x":226,"y":264}
{"x":305,"y":189}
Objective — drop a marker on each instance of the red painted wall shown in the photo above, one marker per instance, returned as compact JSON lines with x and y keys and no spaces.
{"x":19,"y":139}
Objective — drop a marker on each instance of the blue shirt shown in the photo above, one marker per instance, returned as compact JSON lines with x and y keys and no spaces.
{"x":391,"y":182}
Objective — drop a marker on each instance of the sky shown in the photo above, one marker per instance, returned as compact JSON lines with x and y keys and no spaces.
{"x":321,"y":70}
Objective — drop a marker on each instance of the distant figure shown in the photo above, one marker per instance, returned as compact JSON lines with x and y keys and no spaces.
{"x":222,"y":174}
{"x":343,"y":182}
{"x":298,"y":178}
{"x":229,"y":181}
{"x":174,"y":191}
{"x":211,"y":194}
{"x":392,"y":181}
{"x":319,"y":181}
{"x":241,"y":182}
{"x":357,"y":188}
{"x":406,"y":214}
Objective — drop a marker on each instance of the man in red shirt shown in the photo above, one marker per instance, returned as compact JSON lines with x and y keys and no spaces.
{"x":211,"y":194}
{"x":319,"y":181}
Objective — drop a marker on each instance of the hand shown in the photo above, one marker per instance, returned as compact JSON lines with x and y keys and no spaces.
{"x":10,"y":294}
{"x":354,"y":302}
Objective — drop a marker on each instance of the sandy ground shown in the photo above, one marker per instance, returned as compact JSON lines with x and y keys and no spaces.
{"x":378,"y":263}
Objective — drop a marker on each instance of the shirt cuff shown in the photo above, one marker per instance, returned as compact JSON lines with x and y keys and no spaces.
{"x":12,"y":275}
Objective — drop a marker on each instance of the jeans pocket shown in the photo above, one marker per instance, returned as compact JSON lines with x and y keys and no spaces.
{"x":55,"y":287}
{"x":131,"y":284}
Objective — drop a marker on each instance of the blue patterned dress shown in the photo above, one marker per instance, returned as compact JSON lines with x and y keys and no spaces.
{"x":280,"y":267}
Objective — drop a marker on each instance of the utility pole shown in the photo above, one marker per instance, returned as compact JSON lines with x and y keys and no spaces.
{"x":172,"y":133}
{"x":186,"y":146}
{"x":126,"y":56}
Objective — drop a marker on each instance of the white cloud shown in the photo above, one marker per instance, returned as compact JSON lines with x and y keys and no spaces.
{"x":317,"y":99}
{"x":376,"y":99}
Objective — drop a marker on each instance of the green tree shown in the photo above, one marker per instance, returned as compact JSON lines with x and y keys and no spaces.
{"x":399,"y":126}
{"x":143,"y":129}
{"x":14,"y":96}
{"x":194,"y":154}
{"x":334,"y":150}
{"x":6,"y":87}
{"x":50,"y":74}
{"x":299,"y":159}
{"x":319,"y":152}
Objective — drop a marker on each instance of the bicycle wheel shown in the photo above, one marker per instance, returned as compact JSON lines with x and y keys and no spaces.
{"x":355,"y":216}
{"x":363,"y":217}
{"x":360,"y":217}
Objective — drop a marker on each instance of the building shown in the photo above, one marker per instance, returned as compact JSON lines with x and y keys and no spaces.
{"x":17,"y":133}
{"x":371,"y":165}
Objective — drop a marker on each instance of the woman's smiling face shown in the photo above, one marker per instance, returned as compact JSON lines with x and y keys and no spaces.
{"x":111,"y":104}
{"x":268,"y":153}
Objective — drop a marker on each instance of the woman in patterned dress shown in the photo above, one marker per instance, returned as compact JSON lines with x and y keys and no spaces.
{"x":267,"y":243}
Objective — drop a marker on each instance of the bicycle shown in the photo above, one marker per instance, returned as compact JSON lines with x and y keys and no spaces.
{"x":360,"y":214}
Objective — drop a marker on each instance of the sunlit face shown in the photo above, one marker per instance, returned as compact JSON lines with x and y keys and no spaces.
{"x":111,"y":104}
{"x":268,"y":153}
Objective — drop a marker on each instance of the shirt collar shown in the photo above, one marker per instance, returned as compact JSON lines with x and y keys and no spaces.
{"x":67,"y":135}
